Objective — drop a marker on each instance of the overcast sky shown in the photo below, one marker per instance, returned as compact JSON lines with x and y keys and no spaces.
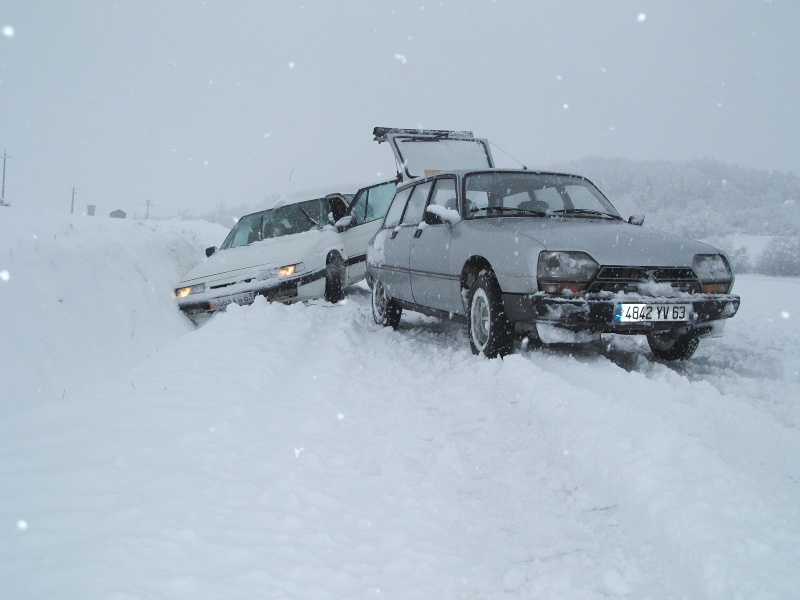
{"x":192,"y":104}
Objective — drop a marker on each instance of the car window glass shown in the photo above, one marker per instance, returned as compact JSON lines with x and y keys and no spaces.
{"x":378,"y":201}
{"x":337,"y":208}
{"x":246,"y":231}
{"x":359,"y":208}
{"x":396,"y":208}
{"x":416,"y":204}
{"x":551,"y":196}
{"x":581,"y":197}
{"x":294,"y":218}
{"x":444,"y":193}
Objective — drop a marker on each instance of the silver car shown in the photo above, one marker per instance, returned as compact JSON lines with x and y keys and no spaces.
{"x":537,"y":255}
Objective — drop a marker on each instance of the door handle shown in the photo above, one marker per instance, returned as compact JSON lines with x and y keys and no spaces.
{"x":418,"y":233}
{"x":393,"y":234}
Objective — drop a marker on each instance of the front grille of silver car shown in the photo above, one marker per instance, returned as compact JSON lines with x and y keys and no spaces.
{"x":627,"y":279}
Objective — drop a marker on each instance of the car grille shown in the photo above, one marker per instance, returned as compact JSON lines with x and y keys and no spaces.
{"x":627,"y":279}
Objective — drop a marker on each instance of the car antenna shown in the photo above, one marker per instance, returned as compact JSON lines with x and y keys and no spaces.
{"x":288,"y":183}
{"x":524,"y":167}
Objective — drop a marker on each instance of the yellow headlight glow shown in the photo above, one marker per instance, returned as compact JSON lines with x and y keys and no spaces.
{"x":287,"y":270}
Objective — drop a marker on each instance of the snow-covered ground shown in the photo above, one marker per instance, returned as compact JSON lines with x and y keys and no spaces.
{"x":303,"y":452}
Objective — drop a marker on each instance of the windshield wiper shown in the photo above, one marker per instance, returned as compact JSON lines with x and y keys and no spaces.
{"x":588,"y":212}
{"x":313,"y":222}
{"x":538,"y":213}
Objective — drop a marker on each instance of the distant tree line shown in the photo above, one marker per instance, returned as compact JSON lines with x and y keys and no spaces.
{"x":708,"y":200}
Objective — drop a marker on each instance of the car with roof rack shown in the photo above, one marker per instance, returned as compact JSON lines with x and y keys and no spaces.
{"x":294,"y":251}
{"x":535,"y":255}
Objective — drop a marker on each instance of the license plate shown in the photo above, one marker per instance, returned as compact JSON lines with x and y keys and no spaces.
{"x":243,"y":298}
{"x":634,"y":313}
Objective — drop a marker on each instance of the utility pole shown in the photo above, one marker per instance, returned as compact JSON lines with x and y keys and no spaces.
{"x":3,"y":193}
{"x":72,"y":206}
{"x":148,"y":204}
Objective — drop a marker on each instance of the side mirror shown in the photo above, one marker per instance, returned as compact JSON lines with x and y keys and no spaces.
{"x":636,"y":220}
{"x":210,"y":251}
{"x":431,"y":218}
{"x":344,"y":223}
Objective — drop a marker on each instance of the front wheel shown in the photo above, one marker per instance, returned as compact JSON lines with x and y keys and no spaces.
{"x":334,"y":279}
{"x":385,"y":310}
{"x":490,"y":332}
{"x":666,"y":346}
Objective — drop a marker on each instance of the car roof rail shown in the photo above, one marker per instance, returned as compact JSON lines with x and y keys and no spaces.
{"x":382,"y":134}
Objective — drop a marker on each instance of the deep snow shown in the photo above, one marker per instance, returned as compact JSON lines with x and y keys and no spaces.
{"x":303,"y":452}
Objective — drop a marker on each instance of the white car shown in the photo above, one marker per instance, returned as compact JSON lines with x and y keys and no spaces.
{"x":294,"y":251}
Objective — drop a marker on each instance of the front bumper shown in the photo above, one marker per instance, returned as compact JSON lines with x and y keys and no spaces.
{"x":597,"y":313}
{"x":273,"y":290}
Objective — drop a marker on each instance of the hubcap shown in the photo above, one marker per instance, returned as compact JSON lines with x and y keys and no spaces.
{"x":479,"y":318}
{"x":379,"y":300}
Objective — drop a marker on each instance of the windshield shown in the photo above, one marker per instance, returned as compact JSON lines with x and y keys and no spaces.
{"x":534,"y":195}
{"x":278,"y":222}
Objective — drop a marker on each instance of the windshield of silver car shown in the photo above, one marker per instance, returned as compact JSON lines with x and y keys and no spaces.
{"x":284,"y":220}
{"x":494,"y":194}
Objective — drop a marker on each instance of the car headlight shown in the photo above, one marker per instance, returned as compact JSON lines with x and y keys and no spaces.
{"x":284,"y":271}
{"x":189,"y":290}
{"x":714,"y":273}
{"x":560,"y":272}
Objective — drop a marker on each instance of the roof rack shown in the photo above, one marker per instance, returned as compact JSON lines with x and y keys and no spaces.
{"x":381,"y":133}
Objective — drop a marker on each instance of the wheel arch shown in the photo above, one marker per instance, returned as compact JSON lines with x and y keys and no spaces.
{"x":472,"y":268}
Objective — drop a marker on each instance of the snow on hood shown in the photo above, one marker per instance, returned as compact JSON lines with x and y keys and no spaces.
{"x":227,"y":264}
{"x":610,"y":242}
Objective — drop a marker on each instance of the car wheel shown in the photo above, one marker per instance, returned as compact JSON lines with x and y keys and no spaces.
{"x":385,"y":310}
{"x":666,"y":346}
{"x":490,"y":332}
{"x":334,"y":279}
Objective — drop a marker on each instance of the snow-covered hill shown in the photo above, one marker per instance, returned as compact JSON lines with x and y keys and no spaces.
{"x":303,"y":452}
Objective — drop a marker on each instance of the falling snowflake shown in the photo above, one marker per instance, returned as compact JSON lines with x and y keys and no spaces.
{"x":8,"y":31}
{"x":291,"y":65}
{"x":642,"y":17}
{"x":785,"y":314}
{"x":566,"y":106}
{"x":4,"y":275}
{"x":22,"y":525}
{"x":401,"y":58}
{"x":269,"y":133}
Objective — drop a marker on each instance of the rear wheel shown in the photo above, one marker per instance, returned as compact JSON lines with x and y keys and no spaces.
{"x":667,"y":346}
{"x":334,"y":279}
{"x":490,"y":332}
{"x":385,"y":310}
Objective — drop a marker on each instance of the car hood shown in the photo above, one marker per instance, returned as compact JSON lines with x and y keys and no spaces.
{"x":610,"y":242}
{"x":242,"y":262}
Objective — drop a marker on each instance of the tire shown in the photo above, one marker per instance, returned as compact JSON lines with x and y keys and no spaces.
{"x":665,"y":346}
{"x":385,"y":310}
{"x":334,"y":279}
{"x":489,"y":330}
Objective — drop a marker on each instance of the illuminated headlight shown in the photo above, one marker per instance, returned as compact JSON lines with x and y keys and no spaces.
{"x":285,"y":271}
{"x":188,"y":291}
{"x":714,"y":273}
{"x":565,"y":272}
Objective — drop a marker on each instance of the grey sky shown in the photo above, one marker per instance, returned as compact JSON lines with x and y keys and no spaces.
{"x":192,"y":104}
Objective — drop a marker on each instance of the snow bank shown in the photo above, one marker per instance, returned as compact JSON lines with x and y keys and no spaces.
{"x":303,"y":452}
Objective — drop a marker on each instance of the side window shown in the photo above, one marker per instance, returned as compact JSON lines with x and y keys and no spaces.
{"x":396,"y":208}
{"x":359,"y":208}
{"x":378,"y":201}
{"x":416,"y":204}
{"x":444,"y":193}
{"x":337,"y":209}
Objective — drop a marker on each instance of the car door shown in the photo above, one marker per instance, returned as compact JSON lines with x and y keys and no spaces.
{"x":431,"y":283}
{"x":366,"y":213}
{"x":397,"y":244}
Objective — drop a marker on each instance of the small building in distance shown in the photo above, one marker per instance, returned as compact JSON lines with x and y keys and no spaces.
{"x":117,"y":214}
